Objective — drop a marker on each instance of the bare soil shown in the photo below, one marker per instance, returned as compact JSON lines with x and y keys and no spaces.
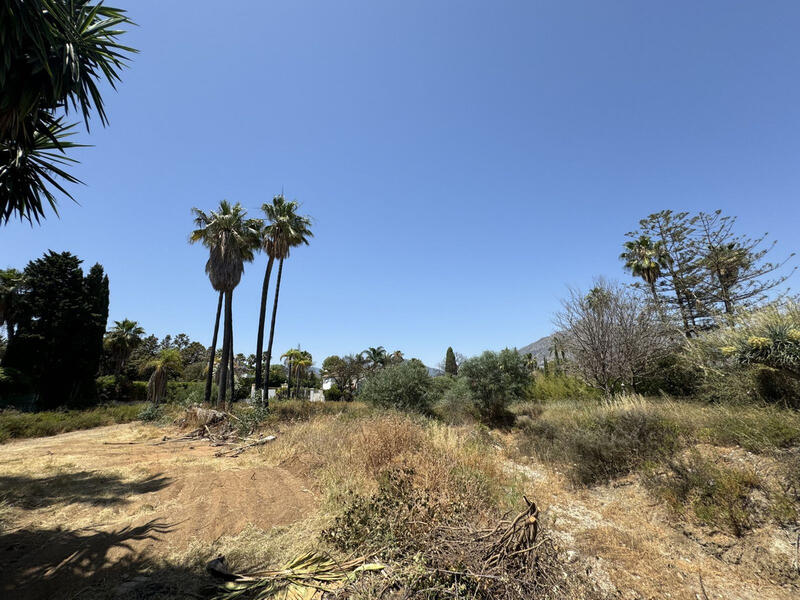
{"x":89,"y":504}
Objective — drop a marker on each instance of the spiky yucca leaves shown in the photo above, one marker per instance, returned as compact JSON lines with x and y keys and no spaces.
{"x":769,"y":336}
{"x":306,"y":577}
{"x":53,"y":55}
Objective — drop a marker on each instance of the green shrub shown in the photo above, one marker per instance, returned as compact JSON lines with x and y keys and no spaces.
{"x":404,"y":386}
{"x":333,"y":394}
{"x":138,"y":391}
{"x":556,"y":386}
{"x":106,"y":388}
{"x":195,"y":371}
{"x":187,"y":393}
{"x":109,"y":391}
{"x":495,"y":380}
{"x":672,"y":374}
{"x":454,"y":402}
{"x":150,"y":412}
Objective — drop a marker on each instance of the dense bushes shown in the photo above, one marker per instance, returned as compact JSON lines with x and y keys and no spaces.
{"x":495,"y":379}
{"x":109,"y":390}
{"x":404,"y":386}
{"x":333,"y":394}
{"x":559,"y":386}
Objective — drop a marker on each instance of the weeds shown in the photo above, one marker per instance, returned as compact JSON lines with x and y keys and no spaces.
{"x":719,"y":496}
{"x":602,"y":442}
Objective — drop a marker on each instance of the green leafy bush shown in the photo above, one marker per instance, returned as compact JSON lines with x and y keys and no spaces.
{"x":453,"y":401}
{"x":404,"y":386}
{"x":333,"y":394}
{"x":557,"y":386}
{"x":150,"y":412}
{"x":495,"y":380}
{"x":186,"y":393}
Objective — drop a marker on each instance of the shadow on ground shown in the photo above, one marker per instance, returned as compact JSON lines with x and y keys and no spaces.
{"x":83,"y":487}
{"x":56,"y":563}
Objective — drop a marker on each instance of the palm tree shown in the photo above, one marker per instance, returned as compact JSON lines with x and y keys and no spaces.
{"x":285,"y":231}
{"x":121,"y":340}
{"x":11,"y":282}
{"x":289,"y":357}
{"x":646,"y":259}
{"x":300,"y":365}
{"x":166,"y":363}
{"x":726,"y":263}
{"x":377,"y":357}
{"x":231,"y":240}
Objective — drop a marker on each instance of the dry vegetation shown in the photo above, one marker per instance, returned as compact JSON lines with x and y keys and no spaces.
{"x":636,"y":499}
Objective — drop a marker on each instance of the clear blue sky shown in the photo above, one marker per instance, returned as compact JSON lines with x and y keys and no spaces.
{"x":463,"y":162}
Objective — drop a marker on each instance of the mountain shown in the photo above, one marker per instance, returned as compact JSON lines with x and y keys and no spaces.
{"x":540,"y":348}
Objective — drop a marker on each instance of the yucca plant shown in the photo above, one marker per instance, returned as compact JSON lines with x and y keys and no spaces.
{"x":54,"y":54}
{"x":769,"y":336}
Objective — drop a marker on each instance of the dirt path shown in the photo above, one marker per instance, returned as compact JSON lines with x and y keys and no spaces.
{"x":91,"y":501}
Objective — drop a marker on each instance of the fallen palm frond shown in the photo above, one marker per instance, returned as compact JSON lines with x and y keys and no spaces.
{"x":306,"y":577}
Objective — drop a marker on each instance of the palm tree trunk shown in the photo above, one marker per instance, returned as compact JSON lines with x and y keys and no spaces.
{"x":289,"y":379}
{"x":232,"y":353}
{"x":272,"y":326}
{"x":262,"y":315}
{"x":226,"y":346}
{"x":210,"y":376}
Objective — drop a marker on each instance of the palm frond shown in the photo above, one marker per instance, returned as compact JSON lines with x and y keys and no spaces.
{"x":306,"y":577}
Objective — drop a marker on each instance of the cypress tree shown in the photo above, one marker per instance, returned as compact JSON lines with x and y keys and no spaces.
{"x":450,"y":366}
{"x":61,"y":320}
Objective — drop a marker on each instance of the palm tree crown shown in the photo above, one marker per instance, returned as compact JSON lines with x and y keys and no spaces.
{"x":645,"y":259}
{"x":122,"y":339}
{"x":285,"y":229}
{"x":231,"y":239}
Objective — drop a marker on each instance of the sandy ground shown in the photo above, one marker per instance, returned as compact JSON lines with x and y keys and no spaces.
{"x":82,"y":504}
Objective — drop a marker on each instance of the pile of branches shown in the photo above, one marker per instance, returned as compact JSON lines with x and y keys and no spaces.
{"x":222,"y":429}
{"x":510,"y":560}
{"x":441,"y":549}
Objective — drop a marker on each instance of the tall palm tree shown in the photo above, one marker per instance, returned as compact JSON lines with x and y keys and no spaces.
{"x":300,"y":365}
{"x":285,"y":231}
{"x":231,"y":239}
{"x":166,"y":363}
{"x":289,"y":357}
{"x":646,"y":259}
{"x":121,"y":340}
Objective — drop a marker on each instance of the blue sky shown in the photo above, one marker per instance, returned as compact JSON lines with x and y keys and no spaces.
{"x":463,"y":161}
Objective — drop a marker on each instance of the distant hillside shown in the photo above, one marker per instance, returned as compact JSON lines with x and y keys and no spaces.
{"x":540,"y":348}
